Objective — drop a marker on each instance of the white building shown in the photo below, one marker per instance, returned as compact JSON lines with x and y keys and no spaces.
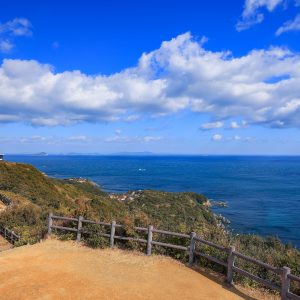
{"x":1,"y":157}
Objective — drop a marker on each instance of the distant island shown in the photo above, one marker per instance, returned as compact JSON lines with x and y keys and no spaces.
{"x":40,"y":154}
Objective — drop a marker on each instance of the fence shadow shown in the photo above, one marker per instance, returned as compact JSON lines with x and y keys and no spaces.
{"x":220,"y":279}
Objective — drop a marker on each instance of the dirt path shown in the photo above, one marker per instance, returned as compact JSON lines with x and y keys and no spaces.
{"x":64,"y":270}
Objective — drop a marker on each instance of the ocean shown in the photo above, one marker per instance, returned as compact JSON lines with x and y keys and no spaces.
{"x":262,"y":192}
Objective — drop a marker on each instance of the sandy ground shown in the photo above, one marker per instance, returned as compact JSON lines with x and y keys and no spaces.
{"x":64,"y":270}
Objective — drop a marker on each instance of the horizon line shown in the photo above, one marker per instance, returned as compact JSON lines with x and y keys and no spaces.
{"x":43,"y":154}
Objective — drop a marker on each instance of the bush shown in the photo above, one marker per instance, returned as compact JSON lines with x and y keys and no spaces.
{"x":92,"y":236}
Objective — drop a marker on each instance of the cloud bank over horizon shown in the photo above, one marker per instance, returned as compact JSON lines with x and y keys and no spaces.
{"x":261,"y":87}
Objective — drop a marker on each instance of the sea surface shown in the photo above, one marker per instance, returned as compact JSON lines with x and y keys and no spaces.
{"x":263,"y":193}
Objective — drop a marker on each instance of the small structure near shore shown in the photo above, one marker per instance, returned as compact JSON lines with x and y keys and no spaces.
{"x":1,"y":157}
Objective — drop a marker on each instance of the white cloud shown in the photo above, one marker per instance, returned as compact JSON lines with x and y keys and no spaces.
{"x":212,"y":125}
{"x":131,"y":118}
{"x":217,"y":137}
{"x":118,"y":138}
{"x":237,"y":138}
{"x":149,"y":139}
{"x":16,"y":27}
{"x":236,"y":125}
{"x":36,"y":139}
{"x":292,"y":25}
{"x":6,"y":46}
{"x":79,"y":138}
{"x":12,"y":29}
{"x":252,"y":13}
{"x":180,"y":75}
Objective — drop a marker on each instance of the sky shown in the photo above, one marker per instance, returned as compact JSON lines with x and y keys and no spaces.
{"x":169,"y":77}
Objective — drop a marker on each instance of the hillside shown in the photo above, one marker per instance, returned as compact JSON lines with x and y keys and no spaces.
{"x":34,"y":195}
{"x":63,"y":270}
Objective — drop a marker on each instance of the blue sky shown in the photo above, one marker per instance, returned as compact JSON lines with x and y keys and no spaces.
{"x":186,"y":77}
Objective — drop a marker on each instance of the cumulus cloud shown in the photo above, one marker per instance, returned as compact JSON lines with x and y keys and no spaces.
{"x":149,"y":139}
{"x":292,"y":25}
{"x":79,"y":138}
{"x":238,"y":138}
{"x":34,"y":139}
{"x":12,"y":29}
{"x":252,"y":13}
{"x":217,"y":137}
{"x":235,"y":138}
{"x":5,"y":46}
{"x":180,"y":75}
{"x":118,"y":138}
{"x":237,"y":125}
{"x":212,"y":125}
{"x":234,"y":125}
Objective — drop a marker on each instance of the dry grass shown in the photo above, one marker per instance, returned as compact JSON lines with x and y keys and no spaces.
{"x":64,"y":270}
{"x":4,"y":245}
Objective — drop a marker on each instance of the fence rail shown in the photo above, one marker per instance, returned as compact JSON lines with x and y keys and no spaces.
{"x":193,"y":239}
{"x":9,"y":235}
{"x":6,"y":200}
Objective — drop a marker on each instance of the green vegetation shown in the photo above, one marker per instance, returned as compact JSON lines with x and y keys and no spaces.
{"x":34,"y":195}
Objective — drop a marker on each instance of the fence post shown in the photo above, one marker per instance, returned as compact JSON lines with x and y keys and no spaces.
{"x":79,"y":227}
{"x":5,"y":232}
{"x":285,"y":283}
{"x":192,"y":248}
{"x":230,"y":264}
{"x":50,"y":223}
{"x":149,"y":239}
{"x":112,"y":233}
{"x":11,"y":237}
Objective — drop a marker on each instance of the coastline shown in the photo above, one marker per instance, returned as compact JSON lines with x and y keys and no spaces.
{"x":263,"y":194}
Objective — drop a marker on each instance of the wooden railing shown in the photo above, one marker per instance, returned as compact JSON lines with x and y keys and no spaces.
{"x":9,"y":235}
{"x":193,"y":239}
{"x":6,"y":200}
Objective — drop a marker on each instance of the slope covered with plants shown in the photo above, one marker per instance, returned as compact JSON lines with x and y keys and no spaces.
{"x":34,"y":195}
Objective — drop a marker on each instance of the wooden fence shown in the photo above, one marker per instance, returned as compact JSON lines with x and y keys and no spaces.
{"x":229,"y":264}
{"x":9,"y":235}
{"x":5,"y":200}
